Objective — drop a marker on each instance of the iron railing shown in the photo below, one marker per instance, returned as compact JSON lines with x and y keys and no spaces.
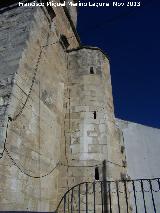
{"x":124,"y":196}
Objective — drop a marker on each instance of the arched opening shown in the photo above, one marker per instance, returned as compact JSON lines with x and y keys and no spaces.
{"x":91,"y":70}
{"x":96,"y":173}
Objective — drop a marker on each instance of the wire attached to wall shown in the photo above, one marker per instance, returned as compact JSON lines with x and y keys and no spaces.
{"x":93,"y":166}
{"x":21,"y":111}
{"x":33,"y":79}
{"x":10,"y":119}
{"x":24,"y":172}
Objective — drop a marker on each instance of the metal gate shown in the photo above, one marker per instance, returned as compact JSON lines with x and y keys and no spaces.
{"x":124,"y":196}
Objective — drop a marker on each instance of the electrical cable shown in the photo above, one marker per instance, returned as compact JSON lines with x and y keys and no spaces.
{"x":1,"y":154}
{"x":23,"y":107}
{"x":56,"y":42}
{"x":21,"y":111}
{"x":10,"y":119}
{"x":68,"y":90}
{"x":58,"y":164}
{"x":15,"y":117}
{"x":24,"y":172}
{"x":33,"y":80}
{"x":93,"y":166}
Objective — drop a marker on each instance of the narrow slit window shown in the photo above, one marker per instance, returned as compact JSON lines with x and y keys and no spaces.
{"x":95,"y":114}
{"x":49,"y":9}
{"x":96,"y":173}
{"x":91,"y":70}
{"x":51,"y":12}
{"x":64,"y":41}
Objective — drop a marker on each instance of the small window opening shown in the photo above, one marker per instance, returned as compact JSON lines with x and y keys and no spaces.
{"x":64,"y":41}
{"x":95,"y":114}
{"x":96,"y":173}
{"x":91,"y":70}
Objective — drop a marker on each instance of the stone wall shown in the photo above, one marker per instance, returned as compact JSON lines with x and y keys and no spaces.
{"x":14,"y":31}
{"x":32,"y":117}
{"x":57,"y":115}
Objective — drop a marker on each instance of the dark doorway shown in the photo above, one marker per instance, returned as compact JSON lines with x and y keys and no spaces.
{"x":96,"y":173}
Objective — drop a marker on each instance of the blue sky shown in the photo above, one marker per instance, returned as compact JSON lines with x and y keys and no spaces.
{"x":131,"y":38}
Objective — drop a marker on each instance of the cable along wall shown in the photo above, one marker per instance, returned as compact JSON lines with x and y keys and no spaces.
{"x":30,"y":158}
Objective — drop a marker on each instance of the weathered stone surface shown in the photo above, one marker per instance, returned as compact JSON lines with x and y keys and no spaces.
{"x":56,"y":117}
{"x":93,"y":134}
{"x":32,"y":77}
